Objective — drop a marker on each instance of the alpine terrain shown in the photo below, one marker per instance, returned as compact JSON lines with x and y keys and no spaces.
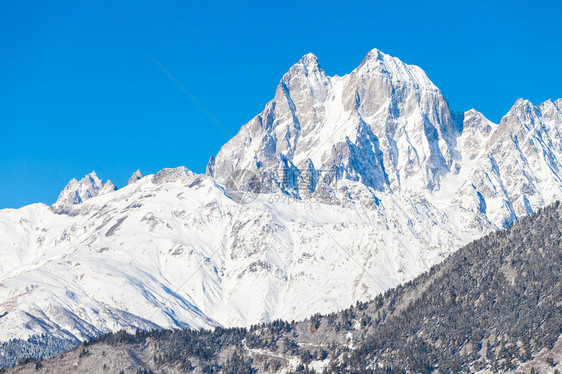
{"x":493,"y":306}
{"x":342,"y":188}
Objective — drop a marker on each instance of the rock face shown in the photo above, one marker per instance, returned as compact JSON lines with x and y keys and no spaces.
{"x":366,"y":180}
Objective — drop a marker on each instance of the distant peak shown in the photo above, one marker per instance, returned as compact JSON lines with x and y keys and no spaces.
{"x":474,"y":113}
{"x":108,"y":186}
{"x":309,"y":59}
{"x":521,"y":105}
{"x":76,"y":191}
{"x":522,"y":101}
{"x":135,"y":177}
{"x":91,"y":176}
{"x":376,"y":54}
{"x":170,"y":175}
{"x":551,"y":104}
{"x":377,"y":62}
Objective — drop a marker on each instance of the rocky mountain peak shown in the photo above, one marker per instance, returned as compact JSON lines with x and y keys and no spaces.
{"x":170,"y":175}
{"x":521,"y":105}
{"x":309,"y":60}
{"x":521,"y":118}
{"x":77,"y":191}
{"x":393,"y":69}
{"x":135,"y":177}
{"x":307,"y":65}
{"x":550,"y":107}
{"x":382,"y":124}
{"x":304,"y":84}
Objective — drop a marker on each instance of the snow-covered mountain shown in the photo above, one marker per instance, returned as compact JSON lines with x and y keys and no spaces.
{"x":385,"y":124}
{"x":364,"y":181}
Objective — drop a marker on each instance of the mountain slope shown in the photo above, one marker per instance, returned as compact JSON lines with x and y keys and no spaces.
{"x":173,"y":250}
{"x":493,"y":306}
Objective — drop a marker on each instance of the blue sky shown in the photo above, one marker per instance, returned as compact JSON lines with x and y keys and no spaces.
{"x":79,"y":91}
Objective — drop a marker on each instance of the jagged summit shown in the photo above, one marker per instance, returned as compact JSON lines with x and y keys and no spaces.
{"x":306,"y":66}
{"x":375,"y":53}
{"x":521,"y":104}
{"x":374,"y":56}
{"x":524,"y":105}
{"x":170,"y":175}
{"x":135,"y":177}
{"x":76,"y":191}
{"x":524,"y":111}
{"x":368,"y":125}
{"x":309,"y":59}
{"x":377,"y":62}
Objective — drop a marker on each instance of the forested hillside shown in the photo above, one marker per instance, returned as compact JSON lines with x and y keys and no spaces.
{"x":494,"y":306}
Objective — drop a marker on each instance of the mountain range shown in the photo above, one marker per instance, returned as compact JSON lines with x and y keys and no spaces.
{"x":358,"y":184}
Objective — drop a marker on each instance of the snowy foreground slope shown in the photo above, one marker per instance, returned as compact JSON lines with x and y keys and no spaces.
{"x":364,"y":181}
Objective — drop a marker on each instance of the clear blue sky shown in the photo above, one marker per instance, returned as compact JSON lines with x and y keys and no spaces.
{"x":78,"y":90}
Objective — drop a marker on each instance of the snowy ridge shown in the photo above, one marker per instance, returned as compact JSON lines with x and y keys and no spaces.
{"x":412,"y":182}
